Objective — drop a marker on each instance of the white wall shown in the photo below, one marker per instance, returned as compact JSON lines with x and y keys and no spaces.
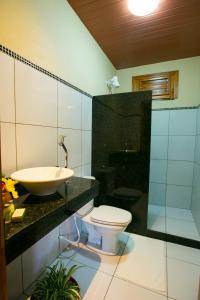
{"x":50,"y":34}
{"x":189,"y":80}
{"x":35,"y":110}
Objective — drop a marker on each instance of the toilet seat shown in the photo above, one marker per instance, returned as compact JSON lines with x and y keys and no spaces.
{"x":109,"y":215}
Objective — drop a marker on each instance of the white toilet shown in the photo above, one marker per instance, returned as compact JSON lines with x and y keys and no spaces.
{"x":103,"y":225}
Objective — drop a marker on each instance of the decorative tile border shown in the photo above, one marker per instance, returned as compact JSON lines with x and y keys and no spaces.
{"x":40,"y":69}
{"x":176,"y":108}
{"x":34,"y":66}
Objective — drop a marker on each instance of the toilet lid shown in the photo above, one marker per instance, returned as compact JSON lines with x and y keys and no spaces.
{"x":111,"y":215}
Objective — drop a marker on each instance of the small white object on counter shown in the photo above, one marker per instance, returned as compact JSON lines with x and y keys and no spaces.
{"x":18,"y":215}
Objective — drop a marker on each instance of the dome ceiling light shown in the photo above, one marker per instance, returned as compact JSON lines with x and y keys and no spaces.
{"x":142,"y":7}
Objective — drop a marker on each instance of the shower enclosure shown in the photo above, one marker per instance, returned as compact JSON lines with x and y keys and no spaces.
{"x":174,"y":194}
{"x":148,"y":162}
{"x":121,"y":130}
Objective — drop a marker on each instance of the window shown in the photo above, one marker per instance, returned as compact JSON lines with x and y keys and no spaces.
{"x":163,"y":85}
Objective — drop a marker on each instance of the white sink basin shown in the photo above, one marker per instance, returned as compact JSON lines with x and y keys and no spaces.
{"x":42,"y":180}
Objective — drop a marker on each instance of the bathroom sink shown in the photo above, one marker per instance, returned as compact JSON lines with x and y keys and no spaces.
{"x":42,"y":180}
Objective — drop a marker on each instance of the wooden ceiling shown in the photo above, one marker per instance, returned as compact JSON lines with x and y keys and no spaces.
{"x":171,"y":32}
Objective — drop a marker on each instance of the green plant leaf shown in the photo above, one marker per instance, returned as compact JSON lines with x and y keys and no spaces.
{"x":57,"y":284}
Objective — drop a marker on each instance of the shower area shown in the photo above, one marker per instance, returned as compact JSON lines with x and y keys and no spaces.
{"x":148,"y":162}
{"x":174,"y":188}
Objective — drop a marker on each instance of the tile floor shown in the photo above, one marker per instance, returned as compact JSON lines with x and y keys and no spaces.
{"x":145,"y":269}
{"x":174,"y":221}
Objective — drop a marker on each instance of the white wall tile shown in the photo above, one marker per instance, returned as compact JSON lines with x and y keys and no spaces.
{"x":180,"y":173}
{"x":86,"y":113}
{"x":157,"y":210}
{"x":160,"y":122}
{"x":198,"y":121}
{"x":69,"y":107}
{"x":8,"y":148}
{"x":36,"y":146}
{"x":197,"y":149}
{"x":7,"y":104}
{"x":40,"y":255}
{"x":181,"y":148}
{"x":157,"y":193}
{"x":182,"y":122}
{"x":196,"y":177}
{"x":73,"y":144}
{"x":36,"y":96}
{"x":78,"y":171}
{"x":69,"y":230}
{"x":183,"y":280}
{"x":86,"y":170}
{"x":14,"y":279}
{"x":159,"y":147}
{"x":86,"y":147}
{"x":158,"y":170}
{"x":178,"y":196}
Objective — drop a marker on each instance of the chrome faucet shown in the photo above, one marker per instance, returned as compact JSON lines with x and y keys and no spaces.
{"x":61,"y":143}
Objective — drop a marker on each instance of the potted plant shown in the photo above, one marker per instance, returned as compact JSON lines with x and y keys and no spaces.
{"x":57,"y":284}
{"x":8,"y":189}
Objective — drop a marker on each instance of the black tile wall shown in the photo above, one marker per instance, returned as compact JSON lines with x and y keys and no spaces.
{"x":121,"y":153}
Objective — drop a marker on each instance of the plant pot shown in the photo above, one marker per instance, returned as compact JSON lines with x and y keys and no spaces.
{"x":71,"y":279}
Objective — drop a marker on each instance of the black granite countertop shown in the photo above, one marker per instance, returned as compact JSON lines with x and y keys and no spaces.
{"x":45,"y":213}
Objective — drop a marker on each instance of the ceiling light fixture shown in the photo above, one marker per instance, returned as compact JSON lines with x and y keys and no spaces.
{"x":142,"y":7}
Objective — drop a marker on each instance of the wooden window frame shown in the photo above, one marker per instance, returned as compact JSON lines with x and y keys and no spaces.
{"x":166,"y":81}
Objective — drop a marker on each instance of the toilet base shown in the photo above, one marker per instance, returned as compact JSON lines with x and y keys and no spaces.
{"x":98,"y":250}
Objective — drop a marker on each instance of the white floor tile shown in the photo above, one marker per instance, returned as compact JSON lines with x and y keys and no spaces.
{"x":183,"y":253}
{"x":182,"y":228}
{"x":183,"y":280}
{"x":104,"y":263}
{"x":123,"y":290}
{"x":177,"y":221}
{"x":144,"y":263}
{"x":178,"y":213}
{"x":93,"y":284}
{"x":156,"y":223}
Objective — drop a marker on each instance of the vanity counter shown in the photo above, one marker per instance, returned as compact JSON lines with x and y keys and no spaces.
{"x":44,"y":213}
